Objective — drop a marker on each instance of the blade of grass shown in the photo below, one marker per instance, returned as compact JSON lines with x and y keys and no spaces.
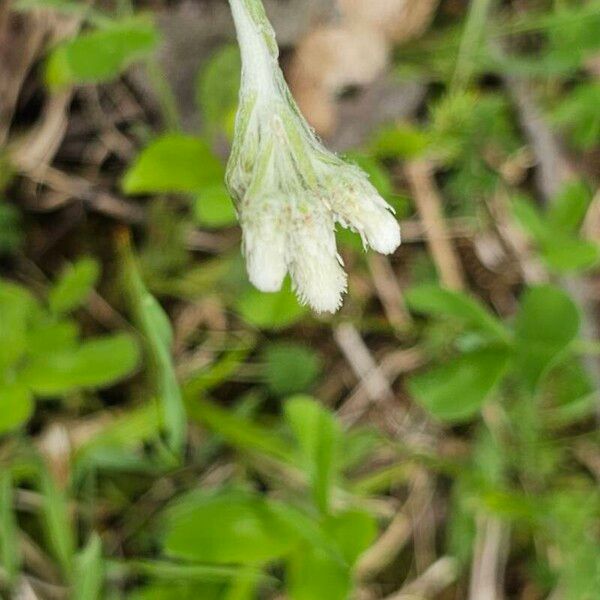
{"x":239,"y":431}
{"x":182,"y":572}
{"x":9,"y":547}
{"x":156,"y":329}
{"x":89,"y":573}
{"x":470,"y":42}
{"x":57,"y":522}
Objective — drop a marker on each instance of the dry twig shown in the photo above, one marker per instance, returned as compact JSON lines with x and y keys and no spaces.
{"x":389,"y":292}
{"x":429,"y":205}
{"x":350,"y":342}
{"x":437,"y":577}
{"x":489,"y":559}
{"x":387,"y":548}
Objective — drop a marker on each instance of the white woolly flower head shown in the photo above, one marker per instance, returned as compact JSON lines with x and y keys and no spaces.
{"x":289,"y":190}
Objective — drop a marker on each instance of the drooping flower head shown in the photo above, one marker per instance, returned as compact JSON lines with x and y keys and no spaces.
{"x":289,"y":190}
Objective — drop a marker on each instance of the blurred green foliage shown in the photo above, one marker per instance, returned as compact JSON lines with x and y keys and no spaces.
{"x":102,"y":54}
{"x":11,"y":235}
{"x":217,"y":89}
{"x":220,"y":474}
{"x":557,"y":232}
{"x":42,"y":355}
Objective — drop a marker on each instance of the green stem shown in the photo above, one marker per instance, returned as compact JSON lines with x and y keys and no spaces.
{"x":258,"y":46}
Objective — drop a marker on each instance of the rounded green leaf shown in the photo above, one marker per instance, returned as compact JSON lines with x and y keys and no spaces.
{"x":232,"y":527}
{"x":436,"y":301}
{"x":564,"y":254}
{"x":456,"y":391}
{"x":17,"y":309}
{"x":50,"y":336}
{"x":174,"y":163}
{"x":74,"y":285}
{"x":400,"y":141}
{"x":314,"y":573}
{"x":102,"y":54}
{"x":96,"y":363}
{"x":213,"y":207}
{"x":569,"y":207}
{"x":16,"y":406}
{"x":270,"y":311}
{"x":290,"y":368}
{"x":353,"y":532}
{"x":546,"y":324}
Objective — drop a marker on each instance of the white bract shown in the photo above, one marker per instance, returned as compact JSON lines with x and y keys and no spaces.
{"x":289,"y":190}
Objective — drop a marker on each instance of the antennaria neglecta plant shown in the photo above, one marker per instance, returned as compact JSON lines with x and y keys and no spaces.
{"x":290,"y":191}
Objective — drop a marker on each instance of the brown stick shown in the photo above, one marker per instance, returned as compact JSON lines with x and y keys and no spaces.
{"x":438,"y":576}
{"x":350,"y":342}
{"x":429,"y":204}
{"x":406,"y":521}
{"x":489,"y":559}
{"x":392,"y":366}
{"x":387,"y":548}
{"x":389,"y":292}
